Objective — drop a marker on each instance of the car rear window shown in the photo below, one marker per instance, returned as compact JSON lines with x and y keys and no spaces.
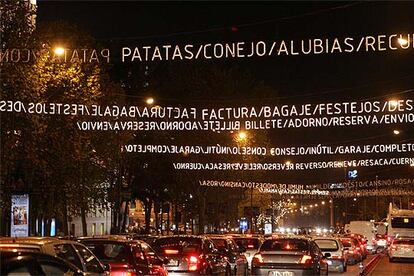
{"x":177,"y":245}
{"x":285,"y":245}
{"x":408,"y":242}
{"x":346,"y":243}
{"x":108,"y":251}
{"x":327,"y":245}
{"x":248,"y":243}
{"x":219,"y":243}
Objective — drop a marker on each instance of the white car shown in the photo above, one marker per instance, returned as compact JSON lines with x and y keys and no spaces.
{"x":401,"y":248}
{"x":338,"y":259}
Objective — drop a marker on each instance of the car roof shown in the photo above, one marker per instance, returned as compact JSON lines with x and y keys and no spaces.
{"x":39,"y":241}
{"x":8,"y":256}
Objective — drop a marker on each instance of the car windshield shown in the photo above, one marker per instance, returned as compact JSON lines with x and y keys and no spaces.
{"x":285,"y":245}
{"x":247,"y":243}
{"x":108,"y":251}
{"x":327,"y":245}
{"x":177,"y":245}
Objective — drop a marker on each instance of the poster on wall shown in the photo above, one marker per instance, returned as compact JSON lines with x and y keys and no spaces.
{"x":19,"y":215}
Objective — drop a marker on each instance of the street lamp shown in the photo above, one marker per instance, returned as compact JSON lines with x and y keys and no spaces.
{"x":150,"y":101}
{"x":59,"y":51}
{"x":402,"y":41}
{"x":396,"y":131}
{"x":241,"y":136}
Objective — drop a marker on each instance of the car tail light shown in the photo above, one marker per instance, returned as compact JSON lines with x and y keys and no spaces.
{"x":393,"y":247}
{"x":193,"y":263}
{"x":362,"y":247}
{"x":257,"y":259}
{"x":171,"y":251}
{"x":351,"y":251}
{"x":250,"y":246}
{"x":388,"y":239}
{"x":337,"y":257}
{"x":128,"y":272}
{"x":306,"y":259}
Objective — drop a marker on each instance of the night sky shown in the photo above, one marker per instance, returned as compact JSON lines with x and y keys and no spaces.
{"x":322,"y":78}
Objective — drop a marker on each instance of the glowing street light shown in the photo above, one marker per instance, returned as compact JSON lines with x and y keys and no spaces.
{"x":288,"y":163}
{"x":403,"y":41}
{"x":393,"y":103}
{"x":241,"y":136}
{"x":59,"y":51}
{"x":396,"y":131}
{"x":323,"y":202}
{"x":150,"y":101}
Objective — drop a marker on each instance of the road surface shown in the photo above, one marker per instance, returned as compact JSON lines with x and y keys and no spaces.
{"x":400,"y":268}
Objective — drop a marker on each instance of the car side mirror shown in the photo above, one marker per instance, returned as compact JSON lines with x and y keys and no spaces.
{"x":327,"y":255}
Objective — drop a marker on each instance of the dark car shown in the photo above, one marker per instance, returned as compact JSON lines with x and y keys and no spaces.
{"x":69,"y":250}
{"x":126,"y":256}
{"x":21,"y":262}
{"x":289,"y":256}
{"x":228,"y":248}
{"x":190,"y":255}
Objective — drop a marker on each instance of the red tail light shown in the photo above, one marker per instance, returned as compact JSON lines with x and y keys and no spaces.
{"x":306,"y":259}
{"x":257,"y":259}
{"x":389,"y":239}
{"x":193,"y":263}
{"x":351,"y":251}
{"x":250,"y":246}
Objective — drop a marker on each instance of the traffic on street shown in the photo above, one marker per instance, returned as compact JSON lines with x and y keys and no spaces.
{"x":182,"y":138}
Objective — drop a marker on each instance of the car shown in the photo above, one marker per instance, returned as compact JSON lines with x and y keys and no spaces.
{"x":289,"y":256}
{"x":401,"y":249}
{"x":352,"y":249}
{"x":71,"y":251}
{"x":251,"y":244}
{"x":381,"y":242}
{"x":125,"y":256}
{"x":26,"y":262}
{"x":362,"y":243}
{"x":339,"y":257}
{"x":228,"y":248}
{"x":191,"y":255}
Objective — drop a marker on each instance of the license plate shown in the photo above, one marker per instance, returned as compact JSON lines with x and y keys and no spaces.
{"x":281,"y":273}
{"x":172,"y":263}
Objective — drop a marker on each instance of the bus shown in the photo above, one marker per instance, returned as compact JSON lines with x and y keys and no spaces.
{"x":400,"y":222}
